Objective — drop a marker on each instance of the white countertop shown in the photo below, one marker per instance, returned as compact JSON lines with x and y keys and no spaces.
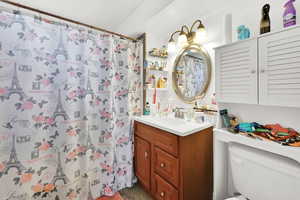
{"x":178,"y":127}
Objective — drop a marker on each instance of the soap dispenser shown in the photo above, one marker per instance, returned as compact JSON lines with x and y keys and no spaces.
{"x":147,"y":109}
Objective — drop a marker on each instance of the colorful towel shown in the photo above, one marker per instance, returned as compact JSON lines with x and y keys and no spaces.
{"x":117,"y":196}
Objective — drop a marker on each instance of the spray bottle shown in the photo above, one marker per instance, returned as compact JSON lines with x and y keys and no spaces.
{"x":289,"y":15}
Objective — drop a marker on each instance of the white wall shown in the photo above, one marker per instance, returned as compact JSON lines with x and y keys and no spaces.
{"x":246,"y":12}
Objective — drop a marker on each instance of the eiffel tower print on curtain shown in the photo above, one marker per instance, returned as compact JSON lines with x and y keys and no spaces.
{"x":18,"y":19}
{"x":15,"y":87}
{"x":60,"y":50}
{"x":13,"y":161}
{"x":59,"y":111}
{"x":89,"y":144}
{"x":59,"y":175}
{"x":89,"y":89}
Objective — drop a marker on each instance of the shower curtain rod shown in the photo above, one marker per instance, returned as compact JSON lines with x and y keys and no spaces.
{"x":66,"y":19}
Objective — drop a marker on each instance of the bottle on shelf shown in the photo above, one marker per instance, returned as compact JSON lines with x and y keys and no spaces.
{"x":153,"y":81}
{"x":265,"y":23}
{"x":147,"y":109}
{"x":289,"y":15}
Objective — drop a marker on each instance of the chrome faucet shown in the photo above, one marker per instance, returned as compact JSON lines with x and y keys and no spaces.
{"x":179,"y":113}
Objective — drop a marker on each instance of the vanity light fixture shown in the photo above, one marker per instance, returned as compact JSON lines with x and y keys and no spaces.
{"x":187,"y":36}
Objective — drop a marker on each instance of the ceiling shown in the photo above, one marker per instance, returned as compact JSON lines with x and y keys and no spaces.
{"x":107,"y":14}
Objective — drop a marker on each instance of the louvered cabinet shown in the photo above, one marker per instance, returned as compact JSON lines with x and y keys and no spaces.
{"x":263,"y":70}
{"x":236,"y":72}
{"x":279,"y":68}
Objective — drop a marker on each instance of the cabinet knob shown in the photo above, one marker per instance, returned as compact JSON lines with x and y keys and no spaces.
{"x":162,"y":194}
{"x":262,"y":71}
{"x":162,"y":165}
{"x":253,"y":71}
{"x":146,"y":154}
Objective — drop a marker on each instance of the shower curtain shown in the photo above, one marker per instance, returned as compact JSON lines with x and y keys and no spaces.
{"x":67,"y":95}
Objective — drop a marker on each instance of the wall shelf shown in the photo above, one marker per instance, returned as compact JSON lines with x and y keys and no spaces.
{"x":158,"y":89}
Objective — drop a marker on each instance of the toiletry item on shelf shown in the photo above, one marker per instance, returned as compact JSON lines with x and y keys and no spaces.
{"x":265,"y":23}
{"x":159,"y":52}
{"x":154,"y":96}
{"x":289,"y":15}
{"x":156,"y":63}
{"x":165,"y":79}
{"x":225,"y":118}
{"x":147,"y":109}
{"x":213,"y":99}
{"x":163,"y":65}
{"x":153,"y":81}
{"x":161,"y":83}
{"x":148,"y":76}
{"x":243,"y":32}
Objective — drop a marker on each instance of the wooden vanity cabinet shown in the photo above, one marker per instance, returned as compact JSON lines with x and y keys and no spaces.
{"x":142,"y":162}
{"x":172,"y":167}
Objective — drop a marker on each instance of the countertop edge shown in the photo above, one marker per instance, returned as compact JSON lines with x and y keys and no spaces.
{"x":187,"y":133}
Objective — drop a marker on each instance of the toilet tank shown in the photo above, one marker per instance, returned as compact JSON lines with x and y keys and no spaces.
{"x":260,"y":175}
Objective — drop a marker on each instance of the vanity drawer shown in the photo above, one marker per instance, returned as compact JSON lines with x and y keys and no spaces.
{"x":167,"y":142}
{"x":167,"y":166}
{"x":144,"y":131}
{"x":163,"y":190}
{"x":160,"y":138}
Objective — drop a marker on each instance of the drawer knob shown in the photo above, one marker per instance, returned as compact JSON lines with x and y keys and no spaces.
{"x":162,"y":194}
{"x":162,"y":165}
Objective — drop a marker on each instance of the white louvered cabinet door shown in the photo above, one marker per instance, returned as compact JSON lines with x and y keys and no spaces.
{"x":236,"y":72}
{"x":279,"y":68}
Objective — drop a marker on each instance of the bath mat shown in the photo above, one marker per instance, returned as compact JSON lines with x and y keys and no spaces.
{"x":117,"y":196}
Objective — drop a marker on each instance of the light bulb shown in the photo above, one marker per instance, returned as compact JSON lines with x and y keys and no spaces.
{"x":200,"y":35}
{"x":171,"y":46}
{"x":182,"y":40}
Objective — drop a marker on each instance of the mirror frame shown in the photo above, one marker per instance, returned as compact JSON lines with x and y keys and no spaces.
{"x":202,"y":94}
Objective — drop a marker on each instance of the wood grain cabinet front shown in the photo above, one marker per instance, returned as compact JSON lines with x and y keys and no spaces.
{"x":163,"y":190}
{"x":142,"y":162}
{"x":167,"y":166}
{"x":171,"y":167}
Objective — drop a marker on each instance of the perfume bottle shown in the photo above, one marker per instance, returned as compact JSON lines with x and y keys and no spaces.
{"x":265,"y":23}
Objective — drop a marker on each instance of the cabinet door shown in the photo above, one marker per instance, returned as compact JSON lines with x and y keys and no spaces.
{"x":279,"y":66}
{"x":142,"y":161}
{"x":236,"y":72}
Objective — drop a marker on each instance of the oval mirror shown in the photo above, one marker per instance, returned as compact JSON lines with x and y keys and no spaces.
{"x":191,"y":73}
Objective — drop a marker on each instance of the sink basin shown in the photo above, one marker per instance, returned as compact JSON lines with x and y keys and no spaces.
{"x":176,"y":126}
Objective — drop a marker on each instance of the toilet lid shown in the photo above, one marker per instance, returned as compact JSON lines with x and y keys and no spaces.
{"x":237,"y":198}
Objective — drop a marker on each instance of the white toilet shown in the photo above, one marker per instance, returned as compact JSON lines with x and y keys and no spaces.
{"x":260,"y":175}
